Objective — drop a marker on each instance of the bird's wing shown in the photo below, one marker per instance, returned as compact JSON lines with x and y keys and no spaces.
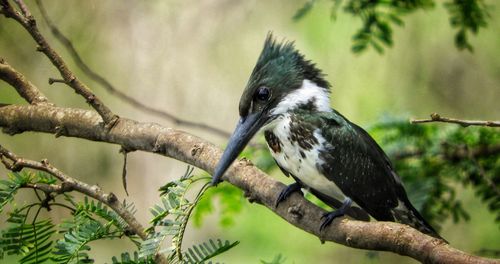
{"x":354,"y":212}
{"x":359,"y":167}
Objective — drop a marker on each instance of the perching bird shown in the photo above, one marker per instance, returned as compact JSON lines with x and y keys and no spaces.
{"x":288,"y":98}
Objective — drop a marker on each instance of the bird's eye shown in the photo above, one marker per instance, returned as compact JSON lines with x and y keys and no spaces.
{"x":263,"y":93}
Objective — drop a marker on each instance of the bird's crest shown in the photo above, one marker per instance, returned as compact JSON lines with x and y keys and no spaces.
{"x":284,"y":54}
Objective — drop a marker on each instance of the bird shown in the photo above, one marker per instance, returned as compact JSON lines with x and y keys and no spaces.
{"x":288,"y":98}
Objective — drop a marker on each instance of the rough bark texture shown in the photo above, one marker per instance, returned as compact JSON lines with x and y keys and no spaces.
{"x":24,"y":87}
{"x":258,"y":187}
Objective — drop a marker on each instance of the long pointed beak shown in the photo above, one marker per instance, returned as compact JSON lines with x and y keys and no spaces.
{"x":245,"y":130}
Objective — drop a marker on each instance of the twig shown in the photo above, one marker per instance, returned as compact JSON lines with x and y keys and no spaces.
{"x":124,"y":168}
{"x":113,"y":90}
{"x":70,"y":184}
{"x":54,"y":80}
{"x":465,"y":123}
{"x":23,"y":87}
{"x":150,"y":137}
{"x":23,"y":7}
{"x":80,"y":88}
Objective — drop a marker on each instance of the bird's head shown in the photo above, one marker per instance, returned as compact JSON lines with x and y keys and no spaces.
{"x":282,"y":81}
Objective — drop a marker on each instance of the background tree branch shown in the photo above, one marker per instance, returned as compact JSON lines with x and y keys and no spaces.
{"x":115,"y":91}
{"x":29,"y":23}
{"x":258,"y":187}
{"x":435,"y":117}
{"x":24,"y":88}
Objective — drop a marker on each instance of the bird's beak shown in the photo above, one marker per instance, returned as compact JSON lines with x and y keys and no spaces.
{"x":245,"y":130}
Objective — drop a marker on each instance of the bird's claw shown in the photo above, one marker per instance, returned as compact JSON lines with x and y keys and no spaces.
{"x":286,"y":192}
{"x":329,"y":218}
{"x":337,"y":213}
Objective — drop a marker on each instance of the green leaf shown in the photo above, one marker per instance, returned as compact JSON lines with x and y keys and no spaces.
{"x":74,"y":245}
{"x":125,"y":258}
{"x":278,"y":259}
{"x":207,"y":250}
{"x":304,"y":10}
{"x":31,"y":241}
{"x":9,"y":187}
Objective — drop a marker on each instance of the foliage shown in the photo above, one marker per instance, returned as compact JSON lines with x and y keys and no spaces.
{"x":8,"y":188}
{"x":433,"y":160}
{"x":205,"y":251}
{"x":378,"y":18}
{"x":36,"y":240}
{"x":31,"y":241}
{"x":77,"y":234}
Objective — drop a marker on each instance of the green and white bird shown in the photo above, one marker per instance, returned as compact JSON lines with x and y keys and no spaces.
{"x":288,"y":98}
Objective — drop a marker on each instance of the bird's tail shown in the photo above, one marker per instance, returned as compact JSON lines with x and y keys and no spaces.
{"x":405,"y":213}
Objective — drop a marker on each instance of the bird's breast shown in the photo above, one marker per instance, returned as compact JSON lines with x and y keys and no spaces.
{"x":296,"y":149}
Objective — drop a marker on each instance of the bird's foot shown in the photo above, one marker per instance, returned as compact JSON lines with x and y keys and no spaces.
{"x":337,"y":213}
{"x":286,"y":192}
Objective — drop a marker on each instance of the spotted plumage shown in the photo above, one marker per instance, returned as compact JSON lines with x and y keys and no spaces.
{"x":288,"y":98}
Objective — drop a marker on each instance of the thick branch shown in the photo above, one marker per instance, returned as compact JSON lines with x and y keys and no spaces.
{"x":24,"y":87}
{"x":112,"y":89}
{"x":435,"y":117}
{"x":258,"y":186}
{"x":29,"y":23}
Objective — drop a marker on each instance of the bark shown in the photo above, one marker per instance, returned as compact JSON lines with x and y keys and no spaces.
{"x":258,"y":187}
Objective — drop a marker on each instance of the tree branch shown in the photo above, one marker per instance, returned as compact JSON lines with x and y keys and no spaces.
{"x":113,"y":90}
{"x":70,"y":184}
{"x":258,"y":187}
{"x":29,"y":23}
{"x":23,"y":87}
{"x":435,"y":117}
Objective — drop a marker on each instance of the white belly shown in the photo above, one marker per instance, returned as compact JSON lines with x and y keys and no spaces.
{"x":304,"y":167}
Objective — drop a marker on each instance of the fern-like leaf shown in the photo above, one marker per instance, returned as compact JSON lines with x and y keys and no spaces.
{"x":125,"y":258}
{"x":171,"y":217}
{"x":32,"y":241}
{"x":74,"y":245}
{"x":99,"y":209}
{"x":207,"y":250}
{"x":9,"y":187}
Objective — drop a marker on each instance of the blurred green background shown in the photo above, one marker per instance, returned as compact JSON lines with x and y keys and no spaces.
{"x":193,"y":58}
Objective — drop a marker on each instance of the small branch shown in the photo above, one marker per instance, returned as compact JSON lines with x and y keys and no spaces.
{"x":23,"y":7}
{"x":124,"y":168}
{"x":29,"y":23}
{"x":23,"y":87}
{"x":465,"y":123}
{"x":54,"y":80}
{"x":70,"y":184}
{"x":259,"y":187}
{"x":113,"y":90}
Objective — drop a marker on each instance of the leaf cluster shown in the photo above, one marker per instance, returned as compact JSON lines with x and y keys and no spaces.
{"x":378,"y":18}
{"x":436,"y":161}
{"x":36,"y":239}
